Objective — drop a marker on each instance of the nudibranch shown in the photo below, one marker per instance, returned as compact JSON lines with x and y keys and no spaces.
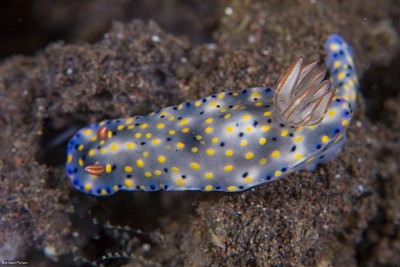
{"x":228,"y":141}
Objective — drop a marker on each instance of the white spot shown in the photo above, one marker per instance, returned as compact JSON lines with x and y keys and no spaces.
{"x":252,"y":39}
{"x":155,"y":38}
{"x":359,"y":124}
{"x":265,"y":52}
{"x":146,"y":247}
{"x":212,"y":46}
{"x":51,"y":253}
{"x":69,"y":71}
{"x":228,"y":11}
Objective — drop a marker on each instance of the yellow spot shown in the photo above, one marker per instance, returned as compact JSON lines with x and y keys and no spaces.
{"x":120,"y":127}
{"x":210,"y":152}
{"x":156,"y":141}
{"x":128,"y":183}
{"x":227,"y":116}
{"x":229,"y":153}
{"x":249,"y":155}
{"x":298,"y":139}
{"x":258,"y":104}
{"x":209,"y":130}
{"x":310,"y":159}
{"x":102,"y":142}
{"x":345,"y":122}
{"x":108,"y":168}
{"x":81,"y":147}
{"x":179,"y":181}
{"x":197,"y":103}
{"x":148,"y":135}
{"x":129,"y":120}
{"x":213,"y":104}
{"x":248,"y":179}
{"x":180,"y":106}
{"x":255,"y":94}
{"x":130,"y":127}
{"x":265,"y":128}
{"x":228,"y":168}
{"x":235,"y":93}
{"x":171,"y":118}
{"x":115,"y":188}
{"x":334,"y":47}
{"x":267,"y":113}
{"x":243,"y":143}
{"x":341,"y":75}
{"x":194,"y":165}
{"x":163,"y":113}
{"x":208,"y":175}
{"x":324,"y":139}
{"x":194,"y":149}
{"x":331,"y":113}
{"x":185,"y":130}
{"x":161,"y":159}
{"x":171,"y":132}
{"x":246,"y":117}
{"x":145,"y":154}
{"x":103,"y":192}
{"x":336,"y":64}
{"x":160,"y":126}
{"x":140,"y":163}
{"x":284,"y":133}
{"x":209,"y":187}
{"x":128,"y":169}
{"x":88,"y":186}
{"x":275,"y":154}
{"x":262,"y":141}
{"x":278,"y":173}
{"x":113,"y":147}
{"x":221,"y":95}
{"x":142,"y":187}
{"x":298,"y":156}
{"x":180,"y":145}
{"x":144,"y":126}
{"x":232,"y":188}
{"x":249,"y":129}
{"x":263,"y":161}
{"x":209,"y":120}
{"x":175,"y":169}
{"x":87,"y":132}
{"x":183,"y":122}
{"x":222,"y":110}
{"x":80,"y":162}
{"x":157,"y":172}
{"x":138,"y":135}
{"x":229,"y":129}
{"x":69,"y":158}
{"x":93,"y":138}
{"x":147,"y":174}
{"x":103,"y":150}
{"x":130,"y":145}
{"x":198,"y":137}
{"x":214,"y":140}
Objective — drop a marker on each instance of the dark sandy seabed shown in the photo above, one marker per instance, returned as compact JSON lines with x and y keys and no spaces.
{"x":345,"y":213}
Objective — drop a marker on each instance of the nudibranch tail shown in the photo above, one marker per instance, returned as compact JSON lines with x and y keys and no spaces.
{"x":302,"y":97}
{"x":228,"y":141}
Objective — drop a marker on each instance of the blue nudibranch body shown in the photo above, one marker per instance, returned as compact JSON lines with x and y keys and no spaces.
{"x":225,"y":142}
